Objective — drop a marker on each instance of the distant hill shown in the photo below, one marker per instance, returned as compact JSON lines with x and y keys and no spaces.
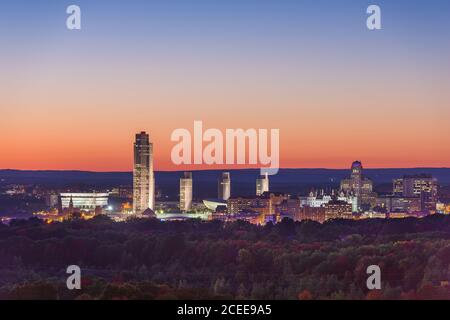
{"x":205,"y":182}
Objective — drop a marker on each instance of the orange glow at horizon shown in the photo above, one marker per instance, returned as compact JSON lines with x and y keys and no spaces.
{"x":337,"y":92}
{"x":64,"y":121}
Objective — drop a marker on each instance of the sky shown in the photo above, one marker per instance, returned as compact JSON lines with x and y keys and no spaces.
{"x":338,"y":92}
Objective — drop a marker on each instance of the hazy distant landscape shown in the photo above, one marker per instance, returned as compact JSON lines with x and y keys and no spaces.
{"x":291,"y":181}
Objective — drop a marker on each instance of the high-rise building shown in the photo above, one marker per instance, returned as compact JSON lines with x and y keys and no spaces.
{"x":262,"y":184}
{"x":424,"y":187}
{"x":397,"y":187}
{"x":359,"y":186}
{"x":224,"y":187}
{"x":186,"y":192}
{"x":143,"y":178}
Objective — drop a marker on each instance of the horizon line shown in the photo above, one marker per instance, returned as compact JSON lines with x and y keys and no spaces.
{"x":199,"y":170}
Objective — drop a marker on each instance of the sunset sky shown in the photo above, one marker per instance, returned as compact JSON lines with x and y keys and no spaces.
{"x":337,"y":91}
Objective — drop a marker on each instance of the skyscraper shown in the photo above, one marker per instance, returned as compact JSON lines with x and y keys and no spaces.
{"x":262,"y":184}
{"x":224,"y":187}
{"x":186,"y":192}
{"x":359,"y":186}
{"x":143,"y":178}
{"x":423,"y":186}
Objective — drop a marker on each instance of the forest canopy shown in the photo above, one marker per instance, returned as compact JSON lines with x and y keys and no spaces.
{"x":150,"y":259}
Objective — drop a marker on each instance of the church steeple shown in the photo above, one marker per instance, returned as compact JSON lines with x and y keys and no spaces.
{"x":71,"y":206}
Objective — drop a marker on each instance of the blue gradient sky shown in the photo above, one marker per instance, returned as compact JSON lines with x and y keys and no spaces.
{"x":336,"y":91}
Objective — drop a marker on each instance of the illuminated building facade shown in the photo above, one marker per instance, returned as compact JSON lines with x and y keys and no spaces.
{"x":186,"y":192}
{"x":315,"y":199}
{"x":262,"y":184}
{"x":424,"y":187}
{"x":143,"y":177}
{"x":213,"y":204}
{"x":359,"y":186}
{"x":224,"y":187}
{"x":338,"y":210}
{"x":399,"y":204}
{"x":311,"y":214}
{"x":124,"y":192}
{"x":318,"y":200}
{"x":239,"y":204}
{"x":443,"y":208}
{"x":84,"y":201}
{"x":397,"y":187}
{"x":373,"y":215}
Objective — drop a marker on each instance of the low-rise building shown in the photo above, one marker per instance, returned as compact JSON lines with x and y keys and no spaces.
{"x":338,"y":210}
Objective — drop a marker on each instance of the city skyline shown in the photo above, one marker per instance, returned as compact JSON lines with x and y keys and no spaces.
{"x":336,"y":90}
{"x":212,"y":158}
{"x":193,"y":168}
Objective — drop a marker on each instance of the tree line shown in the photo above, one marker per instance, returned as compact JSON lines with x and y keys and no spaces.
{"x":150,"y":259}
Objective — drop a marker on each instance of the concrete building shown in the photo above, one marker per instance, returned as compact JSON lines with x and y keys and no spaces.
{"x":224,"y":187}
{"x":84,"y":201}
{"x":143,"y":177}
{"x":186,"y":192}
{"x":262,"y":184}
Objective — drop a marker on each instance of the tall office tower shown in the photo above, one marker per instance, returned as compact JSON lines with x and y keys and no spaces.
{"x":397,"y":187}
{"x":359,"y":186}
{"x":224,"y":186}
{"x":262,"y":184}
{"x":186,"y":192}
{"x":423,"y":186}
{"x":143,"y":178}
